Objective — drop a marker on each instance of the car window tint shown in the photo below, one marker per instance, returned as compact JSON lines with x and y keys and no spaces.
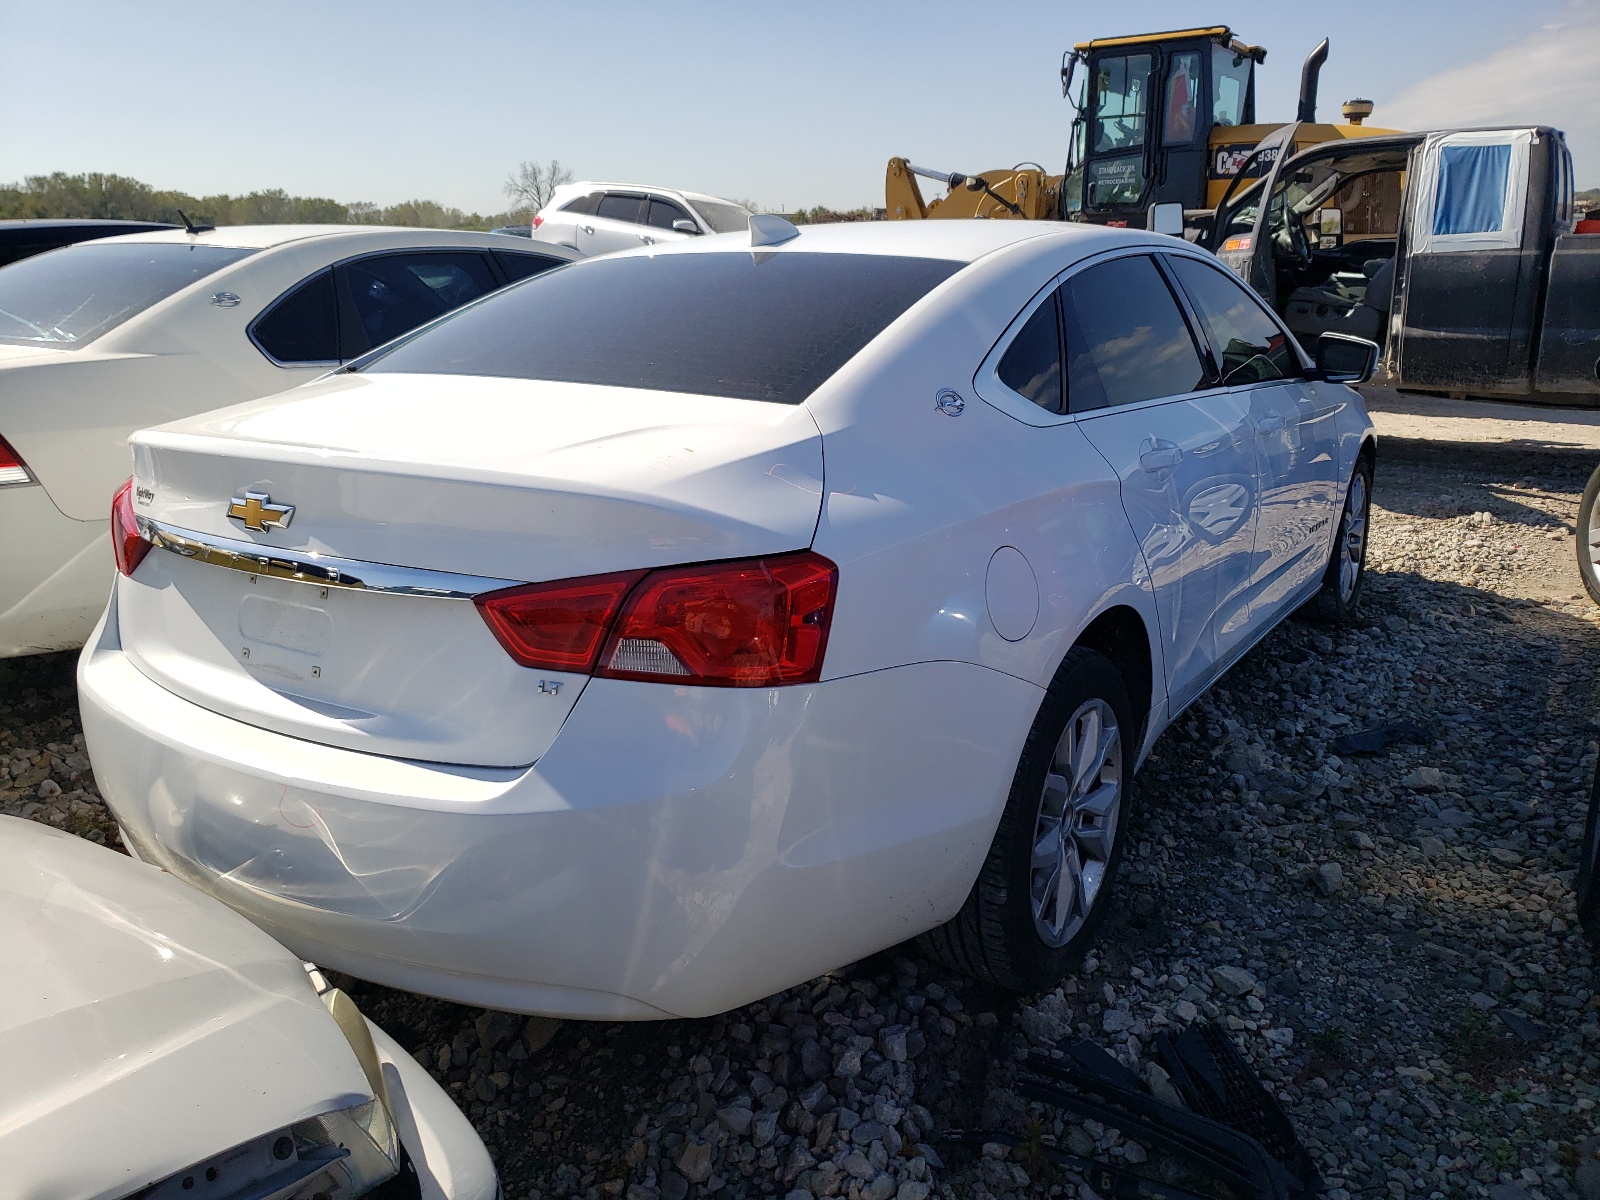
{"x":1031,"y":365}
{"x":394,"y":293}
{"x":621,"y":208}
{"x":1126,"y":337}
{"x":68,"y":297}
{"x":1249,"y":344}
{"x":751,"y":326}
{"x":664,"y":212}
{"x":301,"y":327}
{"x":583,"y":204}
{"x":520,"y":266}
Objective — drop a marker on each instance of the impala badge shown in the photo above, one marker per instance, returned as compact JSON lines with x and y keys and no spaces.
{"x":256,"y":511}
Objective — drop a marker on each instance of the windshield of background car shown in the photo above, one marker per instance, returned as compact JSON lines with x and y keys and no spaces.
{"x":69,"y":297}
{"x":749,"y":326}
{"x":723,"y":218}
{"x":1230,"y":85}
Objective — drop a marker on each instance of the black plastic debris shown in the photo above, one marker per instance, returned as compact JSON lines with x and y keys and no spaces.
{"x":1588,"y":886}
{"x":1376,"y":740}
{"x":1233,"y":1132}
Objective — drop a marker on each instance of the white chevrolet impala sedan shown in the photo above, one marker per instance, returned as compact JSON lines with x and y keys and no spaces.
{"x":670,"y":628}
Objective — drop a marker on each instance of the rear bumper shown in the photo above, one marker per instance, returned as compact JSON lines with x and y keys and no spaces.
{"x":55,"y":575}
{"x":676,"y":852}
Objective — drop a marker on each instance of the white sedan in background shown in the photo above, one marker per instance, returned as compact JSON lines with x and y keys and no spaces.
{"x":678,"y":626}
{"x":103,"y":337}
{"x":598,"y":218}
{"x":155,"y":1045}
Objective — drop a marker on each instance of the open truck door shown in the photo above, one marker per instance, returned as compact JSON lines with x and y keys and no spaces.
{"x":1240,"y":233}
{"x":1498,"y":297}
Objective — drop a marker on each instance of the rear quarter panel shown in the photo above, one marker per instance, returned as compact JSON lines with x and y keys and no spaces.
{"x":917,"y":502}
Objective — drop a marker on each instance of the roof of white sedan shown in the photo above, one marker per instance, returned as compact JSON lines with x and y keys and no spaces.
{"x":958,"y":241}
{"x":262,"y":237}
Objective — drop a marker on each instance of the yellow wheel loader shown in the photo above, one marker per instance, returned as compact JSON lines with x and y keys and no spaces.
{"x":1162,"y":118}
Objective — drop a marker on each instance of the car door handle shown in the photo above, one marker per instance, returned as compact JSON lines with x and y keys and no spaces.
{"x":1270,"y":424}
{"x":647,"y":239}
{"x":1160,"y":458}
{"x":587,"y":228}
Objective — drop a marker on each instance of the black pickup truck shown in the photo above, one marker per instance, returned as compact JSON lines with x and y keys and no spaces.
{"x":1459,"y":252}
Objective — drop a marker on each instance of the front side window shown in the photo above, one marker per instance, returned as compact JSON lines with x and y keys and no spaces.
{"x":1230,"y":87}
{"x":67,"y":298}
{"x":768,"y":327}
{"x":1181,"y":118}
{"x":1031,"y":365}
{"x":664,"y":212}
{"x":1127,"y":340}
{"x":617,"y":207}
{"x":1121,"y":102}
{"x":1249,"y":345}
{"x":302,"y":327}
{"x":392,"y":294}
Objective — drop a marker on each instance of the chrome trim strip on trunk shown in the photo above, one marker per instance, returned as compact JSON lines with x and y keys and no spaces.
{"x":320,"y":570}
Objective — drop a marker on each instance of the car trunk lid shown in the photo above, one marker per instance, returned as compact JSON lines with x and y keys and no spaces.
{"x":409,"y":494}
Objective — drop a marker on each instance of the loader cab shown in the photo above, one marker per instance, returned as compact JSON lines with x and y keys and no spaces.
{"x":1147,"y":108}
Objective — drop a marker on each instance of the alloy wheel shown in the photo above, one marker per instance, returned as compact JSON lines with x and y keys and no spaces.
{"x":1353,"y":537}
{"x":1076,"y":829}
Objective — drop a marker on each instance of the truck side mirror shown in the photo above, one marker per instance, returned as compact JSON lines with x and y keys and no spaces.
{"x":1345,"y":359}
{"x":1166,"y":217}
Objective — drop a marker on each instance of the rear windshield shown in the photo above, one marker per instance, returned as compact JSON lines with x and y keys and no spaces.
{"x":750,"y":326}
{"x":69,"y":297}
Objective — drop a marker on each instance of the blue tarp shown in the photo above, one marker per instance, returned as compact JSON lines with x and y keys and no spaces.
{"x":1472,"y":189}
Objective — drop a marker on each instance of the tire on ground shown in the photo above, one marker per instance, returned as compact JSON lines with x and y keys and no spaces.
{"x":994,"y":938}
{"x":1333,"y":604}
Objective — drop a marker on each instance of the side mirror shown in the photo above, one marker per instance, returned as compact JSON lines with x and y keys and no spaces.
{"x":1345,"y":359}
{"x":1166,"y":217}
{"x":684,"y":225}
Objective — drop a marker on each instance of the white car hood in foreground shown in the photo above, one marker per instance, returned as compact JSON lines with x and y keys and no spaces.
{"x":143,"y":1026}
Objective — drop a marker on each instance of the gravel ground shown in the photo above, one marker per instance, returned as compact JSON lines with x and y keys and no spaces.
{"x":1381,"y":933}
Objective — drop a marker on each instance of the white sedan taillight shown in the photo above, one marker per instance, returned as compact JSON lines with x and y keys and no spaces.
{"x":12,"y":468}
{"x":127,"y":543}
{"x":751,"y":623}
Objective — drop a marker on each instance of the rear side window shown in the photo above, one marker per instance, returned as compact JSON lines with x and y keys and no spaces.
{"x":66,"y":298}
{"x":302,"y":327}
{"x":664,"y":212}
{"x":622,"y":208}
{"x":583,"y":204}
{"x":1031,"y":365}
{"x":751,"y":326}
{"x":1249,"y":346}
{"x":392,"y":294}
{"x":1127,"y":340}
{"x":520,"y":266}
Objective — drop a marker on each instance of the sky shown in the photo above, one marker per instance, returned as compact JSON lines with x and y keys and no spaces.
{"x":789,"y":106}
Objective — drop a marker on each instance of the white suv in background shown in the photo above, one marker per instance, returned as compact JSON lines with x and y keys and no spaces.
{"x":597,"y":218}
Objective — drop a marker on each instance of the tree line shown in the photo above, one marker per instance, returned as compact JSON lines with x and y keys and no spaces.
{"x":117,"y":197}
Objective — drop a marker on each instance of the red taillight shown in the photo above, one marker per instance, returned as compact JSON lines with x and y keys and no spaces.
{"x":537,"y":220}
{"x":559,"y":626}
{"x":752,"y":623}
{"x":126,"y":542}
{"x":12,"y":468}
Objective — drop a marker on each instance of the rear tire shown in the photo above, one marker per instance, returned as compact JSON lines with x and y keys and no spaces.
{"x":1589,"y":537}
{"x":1336,"y":603}
{"x":1043,"y":889}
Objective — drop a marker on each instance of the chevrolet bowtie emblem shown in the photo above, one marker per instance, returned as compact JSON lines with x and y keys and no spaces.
{"x":258,"y":512}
